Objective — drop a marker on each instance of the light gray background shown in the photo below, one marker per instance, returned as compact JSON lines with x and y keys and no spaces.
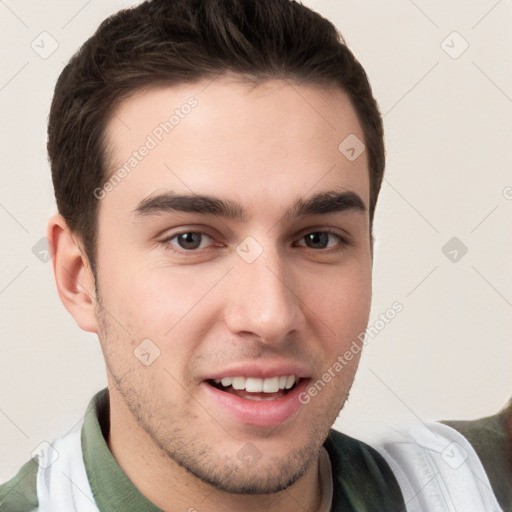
{"x":449,"y":142}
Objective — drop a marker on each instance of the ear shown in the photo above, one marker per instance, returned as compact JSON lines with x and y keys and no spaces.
{"x":73,"y":275}
{"x":372,"y":243}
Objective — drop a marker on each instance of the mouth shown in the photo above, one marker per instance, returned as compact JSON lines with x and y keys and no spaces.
{"x":261,"y":401}
{"x":257,"y":389}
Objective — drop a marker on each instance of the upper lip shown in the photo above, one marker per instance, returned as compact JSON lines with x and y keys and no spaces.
{"x":260,"y":370}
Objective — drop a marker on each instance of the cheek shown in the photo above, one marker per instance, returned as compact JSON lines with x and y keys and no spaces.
{"x":152,"y":302}
{"x":167,"y":306}
{"x":343,"y":302}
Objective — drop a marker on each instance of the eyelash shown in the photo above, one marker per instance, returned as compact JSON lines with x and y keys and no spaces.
{"x":342,"y":242}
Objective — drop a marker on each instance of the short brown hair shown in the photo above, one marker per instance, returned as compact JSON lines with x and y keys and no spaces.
{"x":179,"y":41}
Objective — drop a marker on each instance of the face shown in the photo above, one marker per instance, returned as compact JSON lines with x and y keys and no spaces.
{"x":234,"y":267}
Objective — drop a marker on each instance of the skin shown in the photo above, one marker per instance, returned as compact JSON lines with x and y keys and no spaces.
{"x":264,"y":147}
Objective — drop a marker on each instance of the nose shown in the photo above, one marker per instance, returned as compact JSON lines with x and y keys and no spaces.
{"x":262,"y":300}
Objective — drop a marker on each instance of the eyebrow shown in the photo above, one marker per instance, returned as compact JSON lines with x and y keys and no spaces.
{"x":319,"y":204}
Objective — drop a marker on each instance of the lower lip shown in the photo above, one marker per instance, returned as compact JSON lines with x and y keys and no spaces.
{"x":264,"y":413}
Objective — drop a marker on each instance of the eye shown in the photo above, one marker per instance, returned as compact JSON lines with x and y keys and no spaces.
{"x":321,"y":239}
{"x":189,"y":241}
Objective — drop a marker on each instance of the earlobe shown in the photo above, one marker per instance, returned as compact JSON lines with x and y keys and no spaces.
{"x":73,"y":275}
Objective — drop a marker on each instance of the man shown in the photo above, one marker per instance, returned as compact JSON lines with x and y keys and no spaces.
{"x":216,"y":166}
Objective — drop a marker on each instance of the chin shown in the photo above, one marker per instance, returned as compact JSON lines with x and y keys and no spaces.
{"x":259,"y":476}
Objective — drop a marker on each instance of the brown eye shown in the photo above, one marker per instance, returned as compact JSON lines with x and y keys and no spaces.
{"x":189,"y":241}
{"x":320,"y":240}
{"x":317,"y":240}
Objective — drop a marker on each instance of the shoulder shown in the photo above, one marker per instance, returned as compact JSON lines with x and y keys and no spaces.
{"x":19,"y":494}
{"x":362,"y":479}
{"x":435,"y":466}
{"x":491,"y":438}
{"x":54,"y":479}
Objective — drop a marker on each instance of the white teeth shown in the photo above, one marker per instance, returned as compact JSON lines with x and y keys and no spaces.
{"x":257,"y":385}
{"x":226,"y":381}
{"x":290,"y":381}
{"x":253,"y":385}
{"x":239,"y":382}
{"x":271,"y":385}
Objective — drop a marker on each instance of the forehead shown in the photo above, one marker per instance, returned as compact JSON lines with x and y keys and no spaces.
{"x":265,"y":143}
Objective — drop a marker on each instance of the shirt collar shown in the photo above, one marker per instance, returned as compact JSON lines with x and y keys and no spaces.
{"x":111,"y":488}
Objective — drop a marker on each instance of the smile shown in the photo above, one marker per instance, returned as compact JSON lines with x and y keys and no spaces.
{"x":254,"y":388}
{"x":256,"y":401}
